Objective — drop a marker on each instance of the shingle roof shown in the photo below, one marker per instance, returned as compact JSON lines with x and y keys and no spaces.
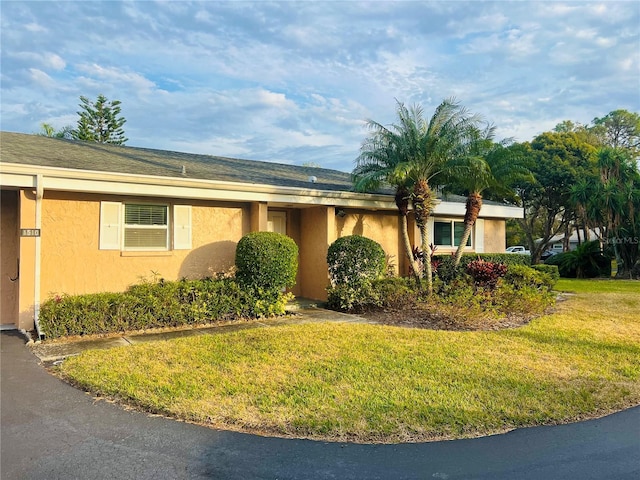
{"x":38,"y":150}
{"x":51,"y":152}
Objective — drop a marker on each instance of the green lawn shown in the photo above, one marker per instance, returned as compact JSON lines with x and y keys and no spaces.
{"x":368,"y":383}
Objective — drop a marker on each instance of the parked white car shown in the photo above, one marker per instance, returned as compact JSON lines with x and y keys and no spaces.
{"x":518,"y":249}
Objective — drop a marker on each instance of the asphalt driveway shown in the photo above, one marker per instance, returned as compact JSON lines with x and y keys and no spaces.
{"x":53,"y":431}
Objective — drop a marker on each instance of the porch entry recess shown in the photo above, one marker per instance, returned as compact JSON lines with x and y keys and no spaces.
{"x":277,"y":222}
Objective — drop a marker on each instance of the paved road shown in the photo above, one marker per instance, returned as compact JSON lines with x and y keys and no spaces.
{"x":53,"y":431}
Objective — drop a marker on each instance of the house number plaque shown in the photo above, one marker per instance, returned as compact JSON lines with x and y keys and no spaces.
{"x":29,"y":232}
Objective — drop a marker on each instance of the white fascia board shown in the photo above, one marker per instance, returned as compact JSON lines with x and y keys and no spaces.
{"x":19,"y":180}
{"x":501,"y":211}
{"x":458,"y":209}
{"x":200,"y":193}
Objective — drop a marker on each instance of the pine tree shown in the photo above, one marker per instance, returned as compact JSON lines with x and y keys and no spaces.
{"x":100,"y":122}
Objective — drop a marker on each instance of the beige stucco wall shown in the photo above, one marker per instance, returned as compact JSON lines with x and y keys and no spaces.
{"x":317,"y":232}
{"x":381,"y":227}
{"x":8,"y":266}
{"x":72,"y":262}
{"x":495,"y":236}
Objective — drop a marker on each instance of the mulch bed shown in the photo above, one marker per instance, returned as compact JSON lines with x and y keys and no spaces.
{"x":425,"y":316}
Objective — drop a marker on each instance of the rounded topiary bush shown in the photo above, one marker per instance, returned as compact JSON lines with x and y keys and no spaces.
{"x":266,"y":260}
{"x":354,"y":260}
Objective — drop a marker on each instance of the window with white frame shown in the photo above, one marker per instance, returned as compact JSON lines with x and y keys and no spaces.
{"x":133,"y":226}
{"x":448,"y":233}
{"x":146,"y":227}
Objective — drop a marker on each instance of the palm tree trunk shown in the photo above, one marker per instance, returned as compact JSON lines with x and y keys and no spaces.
{"x":402,"y":202}
{"x":474,"y":204}
{"x":423,"y":203}
{"x":407,"y":248}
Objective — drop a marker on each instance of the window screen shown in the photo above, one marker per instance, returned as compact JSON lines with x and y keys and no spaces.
{"x":146,"y":227}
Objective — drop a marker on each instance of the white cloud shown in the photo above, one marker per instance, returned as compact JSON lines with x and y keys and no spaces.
{"x":132,"y":80}
{"x":40,"y":78}
{"x":35,"y":27}
{"x":54,"y":61}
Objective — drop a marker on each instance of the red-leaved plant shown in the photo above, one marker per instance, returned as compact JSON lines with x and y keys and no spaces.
{"x":486,"y":274}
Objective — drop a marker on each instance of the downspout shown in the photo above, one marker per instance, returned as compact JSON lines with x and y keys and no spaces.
{"x":36,"y":293}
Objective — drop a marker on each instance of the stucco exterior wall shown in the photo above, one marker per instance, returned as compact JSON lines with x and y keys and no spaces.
{"x":495,"y":236}
{"x":72,"y":263}
{"x":381,"y":227}
{"x":9,"y":263}
{"x":317,"y":232}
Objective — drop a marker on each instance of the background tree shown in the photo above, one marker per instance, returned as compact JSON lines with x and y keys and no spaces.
{"x":47,"y":130}
{"x":557,"y":160}
{"x":619,"y":129}
{"x":609,"y":203}
{"x":100,"y":121}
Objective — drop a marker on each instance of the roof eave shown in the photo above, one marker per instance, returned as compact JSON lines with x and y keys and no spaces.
{"x":92,"y":181}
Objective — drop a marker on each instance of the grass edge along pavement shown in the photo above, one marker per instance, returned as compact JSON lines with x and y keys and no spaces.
{"x":381,"y":384}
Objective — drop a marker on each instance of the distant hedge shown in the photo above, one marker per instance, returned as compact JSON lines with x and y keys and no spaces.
{"x":505,"y":258}
{"x":158,"y":304}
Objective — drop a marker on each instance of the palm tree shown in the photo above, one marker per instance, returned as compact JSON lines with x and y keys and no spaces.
{"x":381,"y":162}
{"x":412,"y":155}
{"x":434,"y":145}
{"x":484,"y":166}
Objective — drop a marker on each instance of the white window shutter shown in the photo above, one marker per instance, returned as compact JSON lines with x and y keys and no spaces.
{"x":182,"y":227}
{"x":479,"y":236}
{"x":110,"y":225}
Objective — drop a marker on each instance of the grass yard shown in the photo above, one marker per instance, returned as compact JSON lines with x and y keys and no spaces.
{"x":367,"y":383}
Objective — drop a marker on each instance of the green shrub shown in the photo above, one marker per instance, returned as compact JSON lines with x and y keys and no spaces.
{"x":266,"y":260}
{"x":445,"y":270}
{"x":394,"y":292}
{"x":347,"y":298}
{"x":386,"y":292}
{"x":551,"y":270}
{"x":158,"y":304}
{"x":355,"y":260}
{"x":504,"y":258}
{"x":521,"y":277}
{"x":511,"y":298}
{"x":81,"y":314}
{"x":586,"y":261}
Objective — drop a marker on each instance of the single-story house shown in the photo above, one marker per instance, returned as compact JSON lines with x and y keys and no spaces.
{"x":82,"y":217}
{"x":556,"y":244}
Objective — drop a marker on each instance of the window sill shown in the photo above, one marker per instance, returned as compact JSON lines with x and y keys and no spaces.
{"x":133,"y":253}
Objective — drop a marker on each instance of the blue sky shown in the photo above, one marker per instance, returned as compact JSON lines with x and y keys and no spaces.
{"x":293,"y":82}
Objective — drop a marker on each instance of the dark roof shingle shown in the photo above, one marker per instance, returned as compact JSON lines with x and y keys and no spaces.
{"x":43,"y":151}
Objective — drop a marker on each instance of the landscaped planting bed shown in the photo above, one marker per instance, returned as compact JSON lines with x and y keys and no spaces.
{"x":373,"y":383}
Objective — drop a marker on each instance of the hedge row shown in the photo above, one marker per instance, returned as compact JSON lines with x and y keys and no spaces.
{"x":155,"y":305}
{"x":505,"y":258}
